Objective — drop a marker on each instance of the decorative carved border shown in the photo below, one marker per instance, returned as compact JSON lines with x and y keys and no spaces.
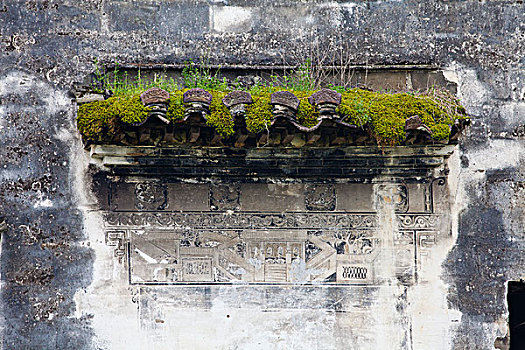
{"x":217,"y":248}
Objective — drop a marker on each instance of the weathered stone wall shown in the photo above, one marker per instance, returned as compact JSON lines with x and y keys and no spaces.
{"x":62,"y":288}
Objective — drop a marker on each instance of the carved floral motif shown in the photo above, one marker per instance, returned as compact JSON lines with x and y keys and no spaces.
{"x":320,"y":197}
{"x":243,"y":220}
{"x":225,"y":197}
{"x":151,"y":196}
{"x":396,"y":195}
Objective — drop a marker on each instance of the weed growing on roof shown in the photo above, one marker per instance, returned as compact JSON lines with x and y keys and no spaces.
{"x":201,"y":76}
{"x":384,"y":113}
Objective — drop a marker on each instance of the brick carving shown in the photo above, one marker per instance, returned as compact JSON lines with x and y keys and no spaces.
{"x":309,"y":242}
{"x":225,"y":197}
{"x":151,"y":196}
{"x":396,"y":195}
{"x":320,"y":197}
{"x":242,"y":220}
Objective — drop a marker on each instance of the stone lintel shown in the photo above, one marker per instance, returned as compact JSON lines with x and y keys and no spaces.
{"x":365,"y":163}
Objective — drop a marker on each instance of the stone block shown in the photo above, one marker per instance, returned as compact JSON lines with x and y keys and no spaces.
{"x":422,"y":80}
{"x":272,"y":197}
{"x":232,"y":19}
{"x":382,"y":80}
{"x":355,"y":197}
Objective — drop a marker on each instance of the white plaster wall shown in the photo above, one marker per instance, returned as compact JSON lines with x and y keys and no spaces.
{"x":397,"y":317}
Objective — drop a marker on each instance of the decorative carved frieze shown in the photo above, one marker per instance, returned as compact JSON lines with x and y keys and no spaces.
{"x":415,"y":221}
{"x":117,"y":239}
{"x":242,"y":221}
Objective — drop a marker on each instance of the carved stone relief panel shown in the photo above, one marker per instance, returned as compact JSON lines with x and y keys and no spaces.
{"x":267,"y":233}
{"x":395,"y":195}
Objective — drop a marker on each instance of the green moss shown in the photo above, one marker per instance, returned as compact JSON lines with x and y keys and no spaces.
{"x":384,"y":113}
{"x":99,"y":120}
{"x":354,"y":106}
{"x":440,"y":131}
{"x":93,"y":120}
{"x":175,"y":106}
{"x":307,"y":114}
{"x":387,"y":113}
{"x":129,"y":109}
{"x":259,"y":113}
{"x":220,"y":117}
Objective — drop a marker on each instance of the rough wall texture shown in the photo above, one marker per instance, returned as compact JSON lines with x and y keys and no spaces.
{"x":62,"y":289}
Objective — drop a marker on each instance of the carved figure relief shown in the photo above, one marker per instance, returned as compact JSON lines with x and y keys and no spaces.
{"x":151,"y":196}
{"x":320,"y":197}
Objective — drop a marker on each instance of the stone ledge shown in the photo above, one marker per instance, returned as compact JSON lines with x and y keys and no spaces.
{"x":363,"y":163}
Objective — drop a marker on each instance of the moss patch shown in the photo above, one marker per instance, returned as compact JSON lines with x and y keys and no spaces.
{"x":259,"y":113}
{"x":220,"y":117}
{"x":99,"y":121}
{"x":128,"y":109}
{"x":384,"y":113}
{"x":175,"y":106}
{"x":93,"y":120}
{"x":307,"y":114}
